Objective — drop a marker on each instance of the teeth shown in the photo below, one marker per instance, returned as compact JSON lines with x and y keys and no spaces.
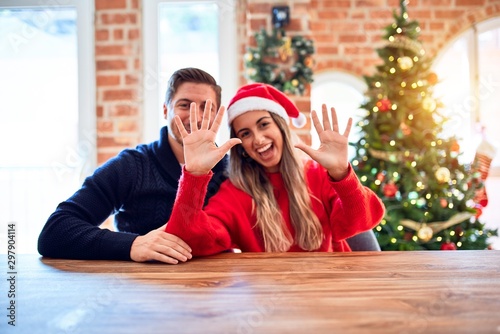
{"x":265,"y":148}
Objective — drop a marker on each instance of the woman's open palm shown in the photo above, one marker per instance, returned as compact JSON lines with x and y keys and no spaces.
{"x":333,"y":150}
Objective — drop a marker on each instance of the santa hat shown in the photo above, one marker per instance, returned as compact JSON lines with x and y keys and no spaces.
{"x":260,"y":96}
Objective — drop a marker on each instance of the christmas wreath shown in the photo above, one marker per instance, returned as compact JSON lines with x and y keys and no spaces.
{"x":283,"y":62}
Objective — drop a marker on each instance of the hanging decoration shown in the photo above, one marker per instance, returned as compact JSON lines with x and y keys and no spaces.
{"x":485,"y":153}
{"x":281,"y":61}
{"x":425,"y":231}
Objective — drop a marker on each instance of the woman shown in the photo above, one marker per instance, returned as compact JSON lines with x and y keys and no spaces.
{"x":273,"y":201}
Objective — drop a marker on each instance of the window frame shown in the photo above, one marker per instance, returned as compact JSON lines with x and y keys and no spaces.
{"x":228,"y":78}
{"x":86,"y":68}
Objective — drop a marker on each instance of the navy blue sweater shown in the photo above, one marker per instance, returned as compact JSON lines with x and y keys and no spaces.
{"x":138,"y":186}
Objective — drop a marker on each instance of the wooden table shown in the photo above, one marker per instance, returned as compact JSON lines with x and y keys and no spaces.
{"x":361,"y":292}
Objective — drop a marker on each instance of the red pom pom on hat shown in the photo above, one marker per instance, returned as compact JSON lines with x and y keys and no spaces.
{"x":260,"y":96}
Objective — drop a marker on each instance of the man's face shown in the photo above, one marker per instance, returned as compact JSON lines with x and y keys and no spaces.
{"x":186,"y":93}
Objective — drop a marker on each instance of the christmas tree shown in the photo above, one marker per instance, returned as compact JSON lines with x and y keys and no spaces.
{"x":428,"y":193}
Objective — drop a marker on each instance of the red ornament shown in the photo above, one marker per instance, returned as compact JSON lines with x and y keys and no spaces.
{"x":384,"y":105}
{"x":443,"y":202}
{"x":448,"y":245}
{"x":455,"y":147}
{"x":380,"y":176}
{"x":390,"y":189}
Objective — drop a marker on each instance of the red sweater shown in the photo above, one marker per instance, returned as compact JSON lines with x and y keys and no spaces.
{"x":344,"y":208}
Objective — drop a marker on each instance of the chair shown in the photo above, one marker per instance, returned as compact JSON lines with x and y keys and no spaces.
{"x":366,"y":241}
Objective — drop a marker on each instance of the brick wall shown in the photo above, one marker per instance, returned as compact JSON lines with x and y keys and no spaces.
{"x":118,"y":52}
{"x":345,"y":33}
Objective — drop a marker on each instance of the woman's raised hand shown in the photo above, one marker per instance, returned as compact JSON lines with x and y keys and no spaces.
{"x":333,"y":150}
{"x":201,"y":153}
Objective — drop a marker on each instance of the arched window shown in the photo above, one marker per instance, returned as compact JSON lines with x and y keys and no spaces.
{"x":469,"y":87}
{"x":343,"y":91}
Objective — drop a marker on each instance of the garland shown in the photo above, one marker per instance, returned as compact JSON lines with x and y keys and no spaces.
{"x":283,"y":62}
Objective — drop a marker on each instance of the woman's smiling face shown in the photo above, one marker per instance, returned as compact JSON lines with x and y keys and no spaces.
{"x":260,"y":137}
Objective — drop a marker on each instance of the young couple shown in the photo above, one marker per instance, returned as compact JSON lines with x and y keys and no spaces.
{"x":272,"y":201}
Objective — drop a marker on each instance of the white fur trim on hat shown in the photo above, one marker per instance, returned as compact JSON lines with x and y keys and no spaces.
{"x":299,"y":121}
{"x":255,"y":103}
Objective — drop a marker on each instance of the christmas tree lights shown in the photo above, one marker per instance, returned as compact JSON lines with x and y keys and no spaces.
{"x":428,"y":194}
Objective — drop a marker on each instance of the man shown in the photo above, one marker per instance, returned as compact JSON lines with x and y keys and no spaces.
{"x":139,"y":187}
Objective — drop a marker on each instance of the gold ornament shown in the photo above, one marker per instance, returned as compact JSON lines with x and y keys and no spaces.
{"x":405,"y":63}
{"x":443,"y":175}
{"x":425,"y":233}
{"x":248,"y":56}
{"x":429,"y":104}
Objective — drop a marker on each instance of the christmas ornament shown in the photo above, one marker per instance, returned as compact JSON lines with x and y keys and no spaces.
{"x":405,"y":63}
{"x":455,"y":146}
{"x":309,"y":61}
{"x":425,"y":233}
{"x":384,"y":105}
{"x":443,"y":202}
{"x":412,"y":195}
{"x":432,"y":78}
{"x":421,"y":202}
{"x":448,"y":245}
{"x":443,"y":175}
{"x":429,"y":104}
{"x":390,"y":189}
{"x":380,"y":176}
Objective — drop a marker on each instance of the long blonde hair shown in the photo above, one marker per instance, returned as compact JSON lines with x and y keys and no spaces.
{"x":249,"y":176}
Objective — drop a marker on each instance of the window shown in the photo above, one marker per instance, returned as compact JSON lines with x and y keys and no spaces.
{"x":469,"y":87}
{"x":186,"y":34}
{"x":345,"y":93}
{"x":47,"y":111}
